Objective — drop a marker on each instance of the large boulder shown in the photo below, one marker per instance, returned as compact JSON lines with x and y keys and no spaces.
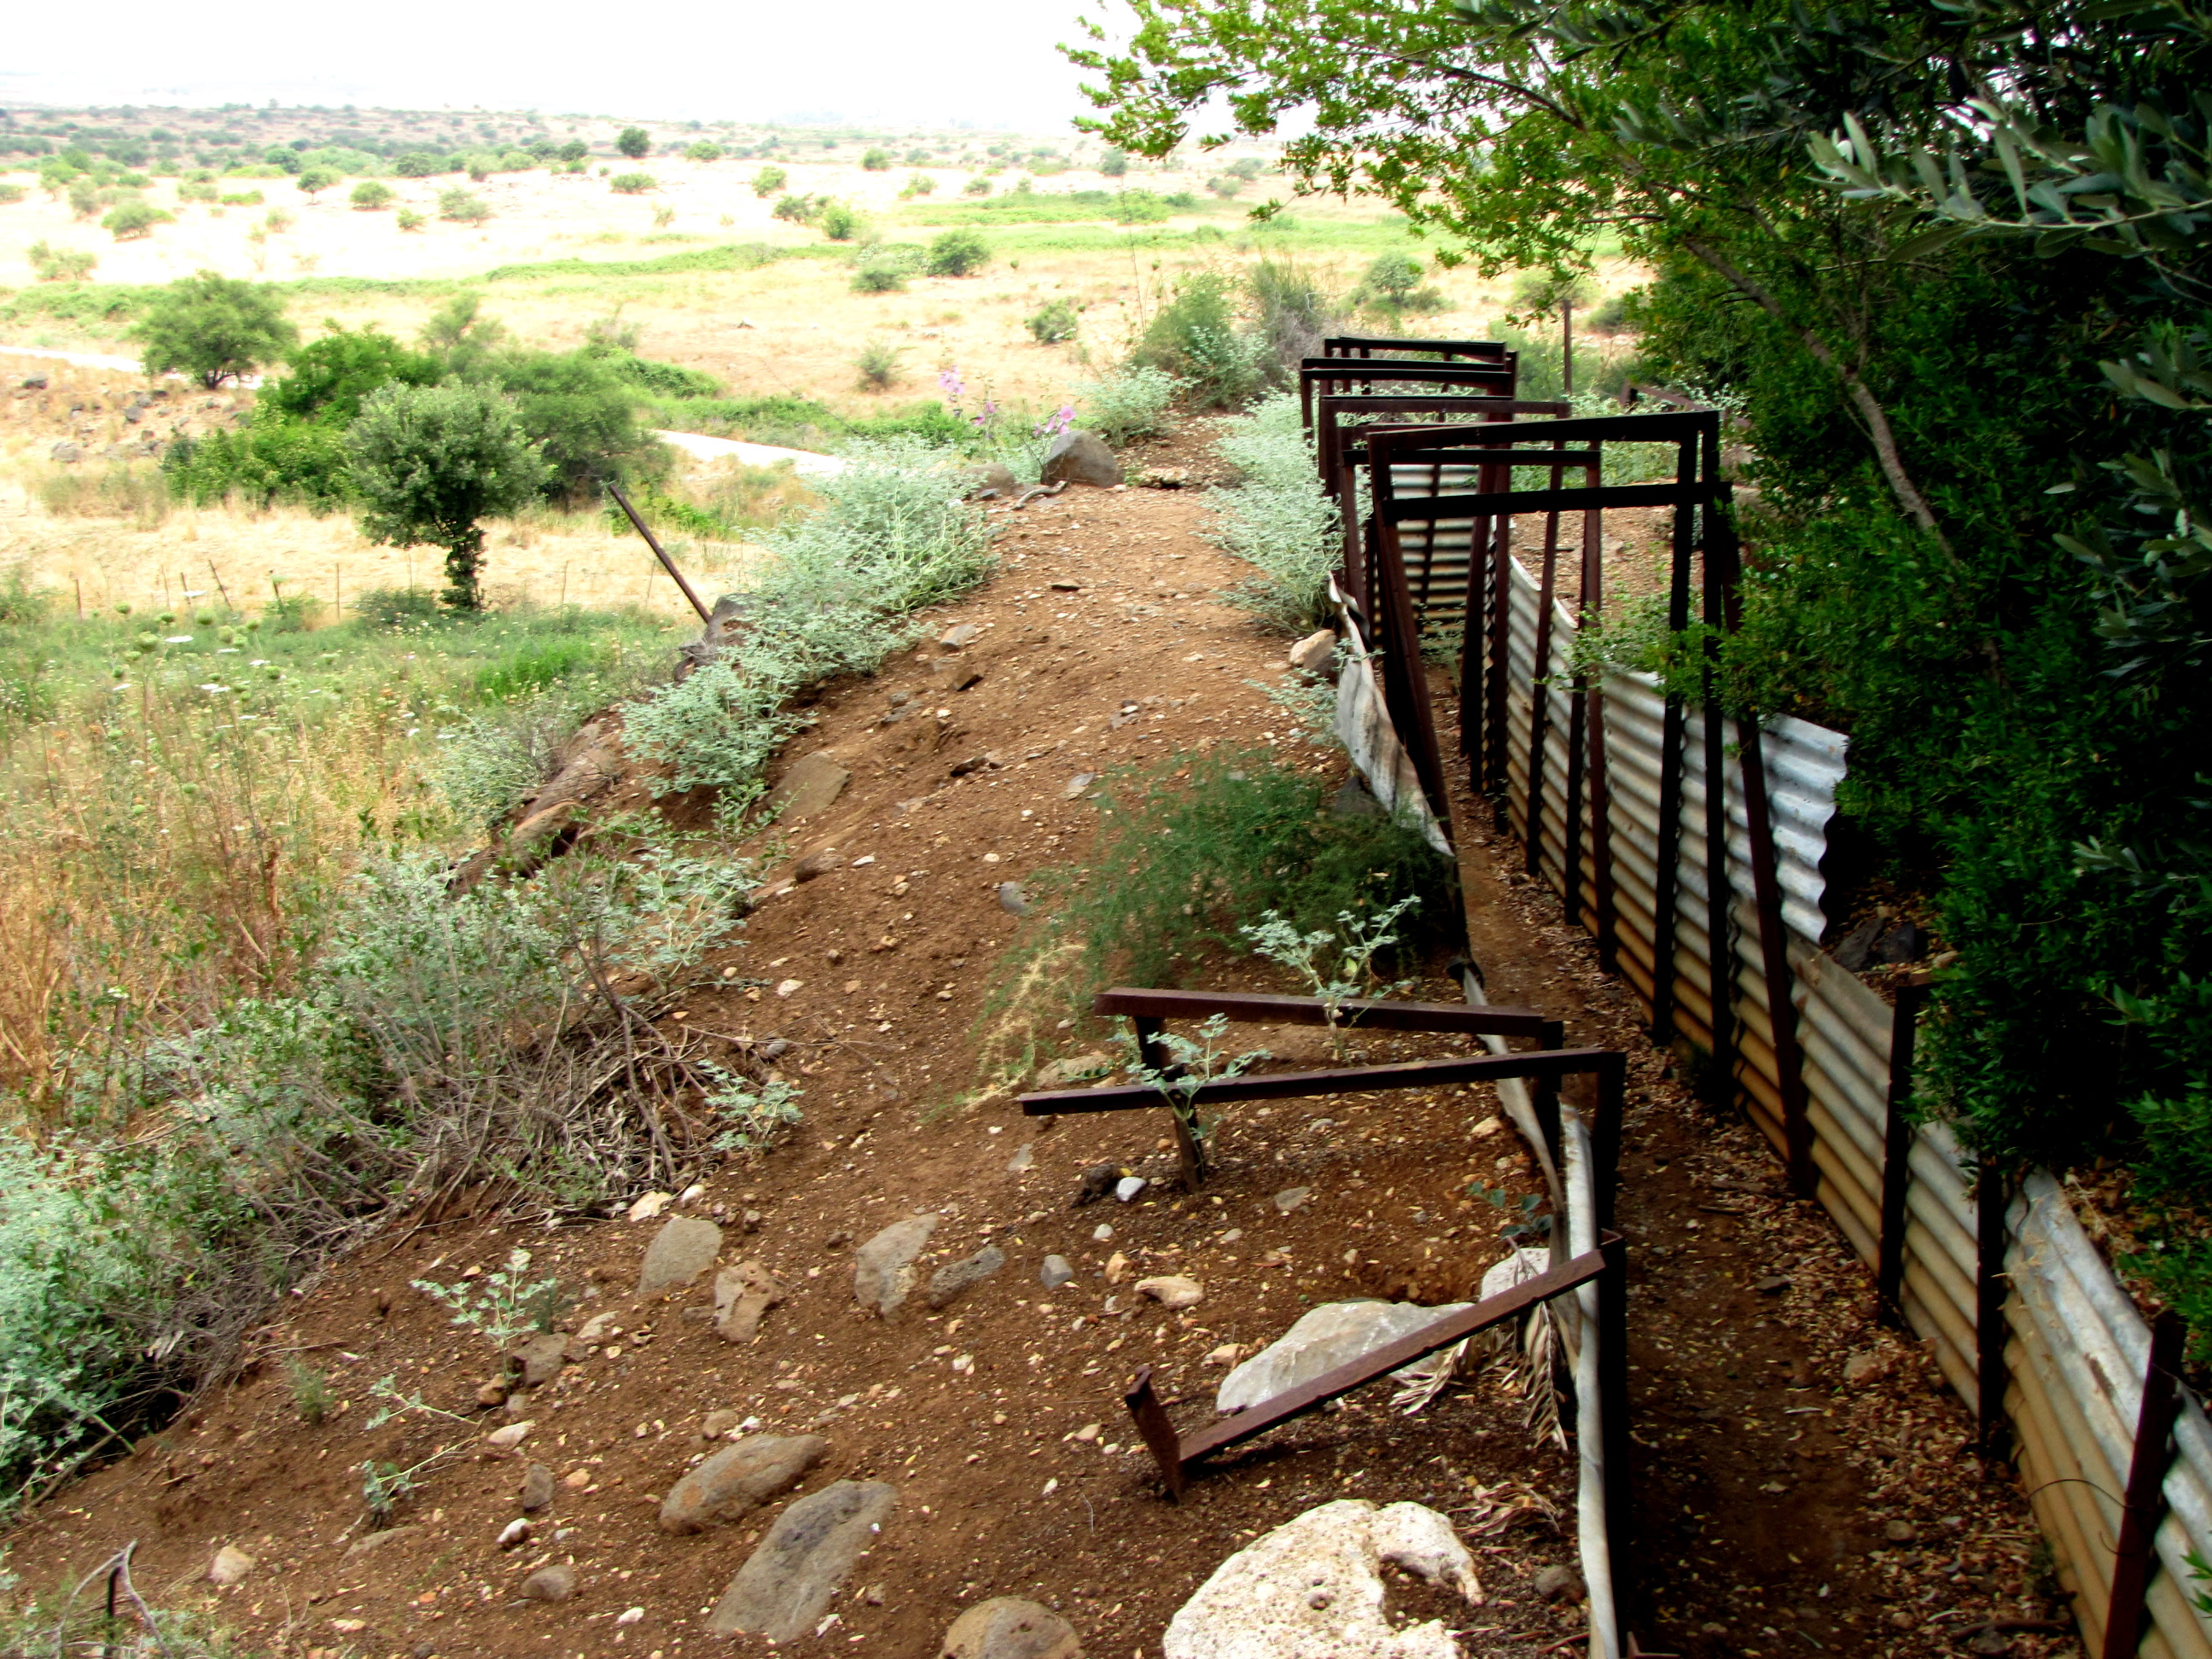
{"x":809,"y":787}
{"x":738,"y":1478}
{"x":1081,"y":458}
{"x":1312,"y":1588}
{"x":1335,"y":1334}
{"x":789,"y":1582}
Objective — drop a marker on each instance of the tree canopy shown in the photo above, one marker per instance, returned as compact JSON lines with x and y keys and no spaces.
{"x":213,"y":328}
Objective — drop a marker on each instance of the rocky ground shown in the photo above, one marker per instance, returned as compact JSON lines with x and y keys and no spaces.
{"x":850,"y":1392}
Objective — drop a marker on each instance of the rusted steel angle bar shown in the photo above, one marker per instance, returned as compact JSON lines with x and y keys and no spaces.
{"x":1343,"y":1080}
{"x":1379,"y":1362}
{"x":2146,"y":1497}
{"x":1631,"y":429}
{"x":1577,"y":499}
{"x":1339,"y":345}
{"x":1252,"y":1007}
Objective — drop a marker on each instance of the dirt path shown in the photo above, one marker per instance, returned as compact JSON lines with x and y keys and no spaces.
{"x":1101,"y":643}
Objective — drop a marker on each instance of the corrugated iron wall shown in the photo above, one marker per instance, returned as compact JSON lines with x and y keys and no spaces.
{"x":2077,"y":1346}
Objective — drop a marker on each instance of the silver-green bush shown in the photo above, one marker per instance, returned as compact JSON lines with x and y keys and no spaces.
{"x":1277,"y":518}
{"x":1131,"y":403}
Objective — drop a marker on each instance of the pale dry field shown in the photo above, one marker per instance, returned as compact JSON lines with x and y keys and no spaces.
{"x":793,"y":326}
{"x":155,"y":559}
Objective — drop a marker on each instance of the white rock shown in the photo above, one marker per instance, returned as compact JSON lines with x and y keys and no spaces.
{"x":1128,"y":1187}
{"x":1172,"y":1290}
{"x":648,"y":1207}
{"x":1522,"y":1265}
{"x":1310,"y":1589}
{"x":514,"y":1533}
{"x":507,"y":1438}
{"x":1332,"y":1334}
{"x":1312,"y":654}
{"x":230,"y":1566}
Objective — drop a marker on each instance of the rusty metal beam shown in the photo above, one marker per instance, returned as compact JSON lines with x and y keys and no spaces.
{"x":1343,"y":1080}
{"x":1255,"y":1008}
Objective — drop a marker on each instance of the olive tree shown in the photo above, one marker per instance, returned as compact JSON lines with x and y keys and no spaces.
{"x":214,"y":329}
{"x":633,"y":142}
{"x":429,"y":461}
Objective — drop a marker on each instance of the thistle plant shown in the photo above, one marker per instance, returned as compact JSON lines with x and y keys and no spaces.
{"x":1191,"y":1066}
{"x":500,"y":1307}
{"x":1354,"y":943}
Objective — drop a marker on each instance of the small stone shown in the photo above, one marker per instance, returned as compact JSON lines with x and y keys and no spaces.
{"x":1900,"y":1532}
{"x":1012,"y":900}
{"x":1227,"y":1354}
{"x":742,"y":1296}
{"x":576,"y":1479}
{"x":1022,"y":1161}
{"x":492,"y":1393}
{"x":539,"y":1361}
{"x":1172,"y":1290}
{"x":1863,"y":1368}
{"x":230,"y":1566}
{"x":1311,"y":655}
{"x":67,"y":452}
{"x":516,"y":1534}
{"x":790,"y":1580}
{"x":959,"y":635}
{"x":1773,"y":1285}
{"x":369,"y":1542}
{"x":648,"y":1207}
{"x":555,"y":1584}
{"x":1078,"y":784}
{"x":1128,"y":1187}
{"x":1560,"y":1584}
{"x":775,"y":1049}
{"x":537,"y":1488}
{"x":1004,"y":1627}
{"x":1067,"y":587}
{"x":719,"y":1422}
{"x":995,"y":479}
{"x":737,"y":1479}
{"x":1075,"y":1069}
{"x":589,"y":1335}
{"x":883,"y":1268}
{"x":816,"y":864}
{"x":1117,"y":1268}
{"x":509,"y":1438}
{"x":1081,"y":458}
{"x":950,"y":1280}
{"x":810,"y":786}
{"x":1291,"y":1197}
{"x":1055,"y":1272}
{"x":1487,"y":1127}
{"x":684,"y":1248}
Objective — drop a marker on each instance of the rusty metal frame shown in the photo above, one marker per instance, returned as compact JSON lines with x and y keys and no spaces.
{"x":2155,"y":1416}
{"x":1361,"y":345}
{"x":1175,"y":1453}
{"x":1323,"y":377}
{"x":1149,"y":1011}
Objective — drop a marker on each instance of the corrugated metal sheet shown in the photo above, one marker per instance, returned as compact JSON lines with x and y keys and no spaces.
{"x":2077,"y":1346}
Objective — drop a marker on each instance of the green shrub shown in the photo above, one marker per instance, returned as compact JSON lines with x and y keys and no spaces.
{"x":957,"y":254}
{"x":1054,"y":323}
{"x":633,"y":184}
{"x":796,"y":209}
{"x":582,"y":416}
{"x":131,"y":220}
{"x":977,"y":185}
{"x":315,"y":180}
{"x":421,"y":164}
{"x":214,"y":329}
{"x":633,"y":142}
{"x":876,"y":160}
{"x":768,"y":181}
{"x":199,"y":187}
{"x":242,"y":198}
{"x":1115,"y":163}
{"x":59,"y":264}
{"x":371,"y":194}
{"x":1194,"y":859}
{"x":705,"y":150}
{"x":1128,"y":404}
{"x":271,"y":460}
{"x":884,"y":268}
{"x":918,"y":183}
{"x":1195,"y":336}
{"x":327,"y":379}
{"x":462,"y":206}
{"x":879,"y":362}
{"x":839,"y":221}
{"x":1278,"y":518}
{"x":408,"y":219}
{"x":1293,"y":312}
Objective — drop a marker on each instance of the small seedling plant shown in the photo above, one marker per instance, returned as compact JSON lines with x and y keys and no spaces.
{"x":502,"y":1306}
{"x":385,"y":1487}
{"x":1523,"y":1225}
{"x":396,"y":1404}
{"x":1337,"y":963}
{"x":1191,"y":1064}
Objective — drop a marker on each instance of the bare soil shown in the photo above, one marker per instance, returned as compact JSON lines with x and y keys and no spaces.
{"x":1766,"y":1479}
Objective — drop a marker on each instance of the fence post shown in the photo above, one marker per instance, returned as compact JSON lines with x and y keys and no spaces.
{"x":1992,"y":1193}
{"x":1613,"y":1404}
{"x":1897,"y":1153}
{"x":2145,"y":1499}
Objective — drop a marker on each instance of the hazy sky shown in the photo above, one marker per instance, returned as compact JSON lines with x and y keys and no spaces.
{"x":989,"y":63}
